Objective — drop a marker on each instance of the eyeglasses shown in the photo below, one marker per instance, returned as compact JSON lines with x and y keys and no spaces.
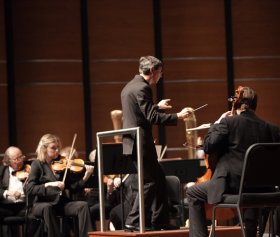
{"x":20,"y":158}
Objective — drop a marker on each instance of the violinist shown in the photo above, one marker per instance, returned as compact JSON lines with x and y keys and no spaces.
{"x":230,"y":136}
{"x":12,"y":197}
{"x":45,"y":184}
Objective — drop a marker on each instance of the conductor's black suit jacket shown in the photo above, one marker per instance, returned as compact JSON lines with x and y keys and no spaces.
{"x":232,"y":137}
{"x":139,"y":110}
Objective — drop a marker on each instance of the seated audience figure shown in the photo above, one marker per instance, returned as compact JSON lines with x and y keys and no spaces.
{"x":52,"y":194}
{"x":12,"y":197}
{"x":230,"y":136}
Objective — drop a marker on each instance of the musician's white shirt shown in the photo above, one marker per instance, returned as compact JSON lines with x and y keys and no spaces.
{"x":14,"y":185}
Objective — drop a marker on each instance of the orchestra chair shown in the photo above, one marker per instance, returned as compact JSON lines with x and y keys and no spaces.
{"x":259,"y":185}
{"x":63,"y":221}
{"x":173,"y":189}
{"x":11,"y":222}
{"x":22,"y":222}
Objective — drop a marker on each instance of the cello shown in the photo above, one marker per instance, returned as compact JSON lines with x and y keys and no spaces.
{"x":210,"y":163}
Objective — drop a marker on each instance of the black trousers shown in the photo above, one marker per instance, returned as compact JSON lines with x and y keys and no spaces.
{"x":197,"y":197}
{"x":155,"y":196}
{"x":49,"y":213}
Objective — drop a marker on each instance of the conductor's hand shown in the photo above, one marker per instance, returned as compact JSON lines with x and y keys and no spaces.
{"x":184,"y":113}
{"x":164,"y":104}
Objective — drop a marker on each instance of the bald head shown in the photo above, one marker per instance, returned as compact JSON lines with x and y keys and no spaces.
{"x":13,"y":157}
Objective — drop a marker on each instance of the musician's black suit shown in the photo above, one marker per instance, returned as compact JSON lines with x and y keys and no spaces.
{"x":40,"y":174}
{"x":8,"y":209}
{"x":129,"y":191}
{"x":139,"y":110}
{"x":13,"y":209}
{"x":233,"y":135}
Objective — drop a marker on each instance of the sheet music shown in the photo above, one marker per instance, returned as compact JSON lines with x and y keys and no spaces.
{"x":163,"y":152}
{"x":202,"y":126}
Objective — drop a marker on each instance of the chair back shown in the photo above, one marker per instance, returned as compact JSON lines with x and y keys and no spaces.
{"x":260,"y":170}
{"x":173,"y":188}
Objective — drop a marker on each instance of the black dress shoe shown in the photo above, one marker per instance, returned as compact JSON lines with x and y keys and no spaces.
{"x":164,"y":227}
{"x":170,"y":227}
{"x":130,"y":228}
{"x":133,"y":228}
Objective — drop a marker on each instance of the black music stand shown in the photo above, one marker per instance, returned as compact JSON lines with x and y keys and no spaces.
{"x":187,"y":170}
{"x":114,"y":162}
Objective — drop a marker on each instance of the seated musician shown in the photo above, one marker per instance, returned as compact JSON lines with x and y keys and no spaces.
{"x":12,"y":180}
{"x":47,"y":186}
{"x":129,"y":192}
{"x":231,"y":135}
{"x":91,"y":195}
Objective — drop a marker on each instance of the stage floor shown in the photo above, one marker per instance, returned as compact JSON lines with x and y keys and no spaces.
{"x":220,"y":232}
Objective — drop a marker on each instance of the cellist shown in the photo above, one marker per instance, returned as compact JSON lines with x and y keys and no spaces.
{"x":229,"y":136}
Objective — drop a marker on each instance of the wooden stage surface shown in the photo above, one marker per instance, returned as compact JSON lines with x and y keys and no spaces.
{"x":220,"y":232}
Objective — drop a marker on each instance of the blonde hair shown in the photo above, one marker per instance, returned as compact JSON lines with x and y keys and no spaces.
{"x":43,"y":144}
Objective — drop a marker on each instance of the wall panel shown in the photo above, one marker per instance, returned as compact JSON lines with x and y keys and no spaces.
{"x":49,"y":109}
{"x":47,"y":29}
{"x":120,"y":29}
{"x":256,"y":36}
{"x":48,"y":71}
{"x":118,"y":36}
{"x":4,"y":140}
{"x":48,"y":61}
{"x":257,"y":68}
{"x":256,"y":28}
{"x":193,"y":28}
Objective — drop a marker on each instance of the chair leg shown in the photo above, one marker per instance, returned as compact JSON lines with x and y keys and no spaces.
{"x":271,"y":223}
{"x":241,"y":222}
{"x":213,"y":222}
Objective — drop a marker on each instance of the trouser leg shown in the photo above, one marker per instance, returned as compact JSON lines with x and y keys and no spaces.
{"x":197,"y":196}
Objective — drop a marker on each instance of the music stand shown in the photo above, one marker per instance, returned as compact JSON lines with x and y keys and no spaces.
{"x":139,"y":143}
{"x":116,"y":163}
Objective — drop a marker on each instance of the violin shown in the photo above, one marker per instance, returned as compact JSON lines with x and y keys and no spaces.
{"x":22,"y":174}
{"x":60,"y":165}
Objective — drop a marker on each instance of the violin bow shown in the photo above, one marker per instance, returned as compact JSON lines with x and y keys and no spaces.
{"x":70,"y":156}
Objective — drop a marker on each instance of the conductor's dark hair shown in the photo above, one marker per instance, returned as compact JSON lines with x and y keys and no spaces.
{"x":146,"y":63}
